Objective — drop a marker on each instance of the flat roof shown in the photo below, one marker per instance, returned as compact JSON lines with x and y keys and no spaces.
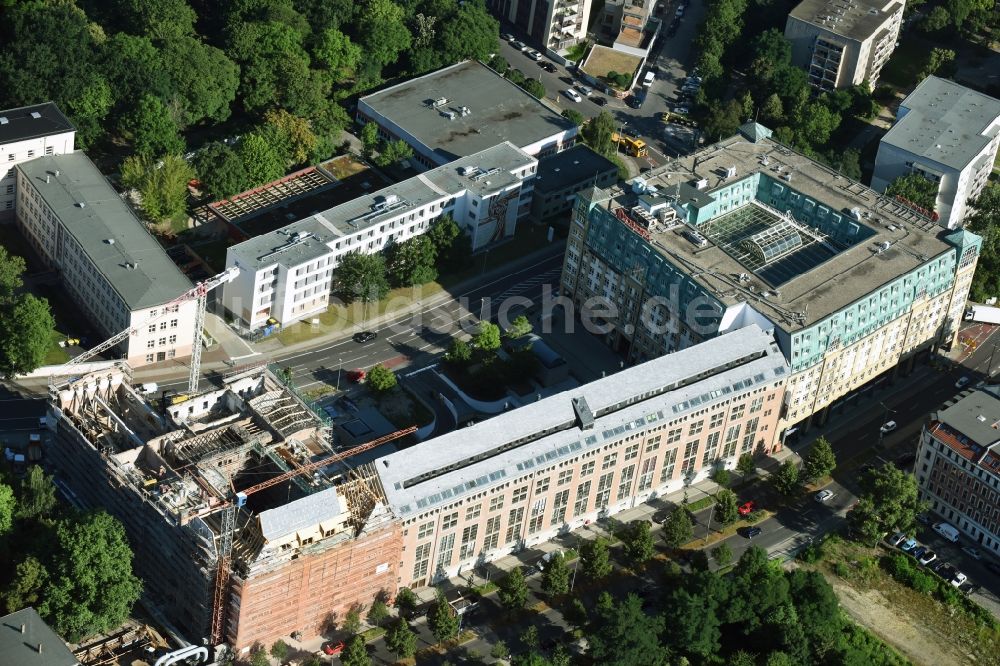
{"x":499,"y":110}
{"x":566,"y":168}
{"x":854,"y":19}
{"x":134,"y":264}
{"x":490,"y":171}
{"x":813,"y":289}
{"x":22,"y":649}
{"x":976,"y":416}
{"x":945,"y":122}
{"x":490,"y":452}
{"x":301,"y":514}
{"x":31,"y":122}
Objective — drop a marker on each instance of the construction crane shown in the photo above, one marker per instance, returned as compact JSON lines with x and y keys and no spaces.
{"x":198,"y":293}
{"x":227,"y":527}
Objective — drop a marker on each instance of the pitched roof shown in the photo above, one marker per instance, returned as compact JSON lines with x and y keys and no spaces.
{"x":25,"y":640}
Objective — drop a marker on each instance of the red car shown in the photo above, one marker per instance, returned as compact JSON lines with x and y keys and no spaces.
{"x":357,"y":375}
{"x":746,"y":509}
{"x":333,"y":648}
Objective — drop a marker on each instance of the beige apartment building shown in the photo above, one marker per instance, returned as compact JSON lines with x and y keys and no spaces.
{"x":841,"y":43}
{"x":520,"y":478}
{"x":109,"y":264}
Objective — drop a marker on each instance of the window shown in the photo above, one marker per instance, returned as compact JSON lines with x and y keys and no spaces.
{"x":173,"y":323}
{"x":496,"y":503}
{"x":738,"y":411}
{"x":48,"y":150}
{"x":172,"y":339}
{"x":668,"y":466}
{"x":565,"y":477}
{"x":150,"y":344}
{"x":449,"y":521}
{"x":162,"y":341}
{"x":711,"y":448}
{"x":150,"y":357}
{"x":604,"y":490}
{"x":472,"y":512}
{"x":535,"y":523}
{"x":717,"y":420}
{"x":492,"y":533}
{"x":445,"y":551}
{"x":609,"y":461}
{"x":588,"y":468}
{"x":625,"y":482}
{"x":514,"y":520}
{"x":646,"y":478}
{"x":582,"y":498}
{"x":421,"y":560}
{"x":163,"y":325}
{"x":425,"y":530}
{"x":152,"y":329}
{"x":520,"y":494}
{"x":542,"y":485}
{"x":31,"y":153}
{"x":468,"y":548}
{"x":652,"y":444}
{"x":732,"y":435}
{"x":696,"y":427}
{"x":757,"y":404}
{"x":632,"y":452}
{"x":674,"y":436}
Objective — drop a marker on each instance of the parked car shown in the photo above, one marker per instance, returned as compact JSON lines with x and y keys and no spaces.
{"x":751,"y":532}
{"x":547,"y":66}
{"x":681,"y":110}
{"x":584,"y":90}
{"x":533,"y":54}
{"x":517,"y":45}
{"x":746,"y":508}
{"x":909,"y":545}
{"x":962,"y":382}
{"x":972,"y":552}
{"x":919,"y":551}
{"x":896,"y":539}
{"x":942,"y":568}
{"x":364,"y":336}
{"x":887,"y":427}
{"x":824,"y":495}
{"x":333,"y":648}
{"x":924,"y":518}
{"x":958,"y":579}
{"x":680,"y":12}
{"x":573,"y":95}
{"x":357,"y":375}
{"x":599,"y":100}
{"x":928,"y":557}
{"x":507,"y":37}
{"x":946,"y":530}
{"x":544,"y":560}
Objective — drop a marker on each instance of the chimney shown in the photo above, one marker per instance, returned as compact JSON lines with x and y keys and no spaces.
{"x":39,"y":648}
{"x":22,"y":628}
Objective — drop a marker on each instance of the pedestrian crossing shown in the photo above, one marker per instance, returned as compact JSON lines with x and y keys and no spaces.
{"x":548,"y":277}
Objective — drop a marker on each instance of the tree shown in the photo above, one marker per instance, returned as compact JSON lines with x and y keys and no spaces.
{"x":499,"y":650}
{"x":401,"y":639}
{"x":915,"y":188}
{"x":820,"y":461}
{"x":162,"y":20}
{"x":555,"y":579}
{"x":773,"y":110}
{"x":382,"y":32}
{"x":574,"y":116}
{"x":597,"y":133}
{"x":889,"y":501}
{"x":534,"y":87}
{"x":203,"y":78}
{"x":985,"y":221}
{"x":459,"y":352}
{"x":258,"y":656}
{"x":378,"y":612}
{"x":638,"y":542}
{"x":595,"y":560}
{"x":498,"y":64}
{"x":786,"y":479}
{"x":37,"y":497}
{"x":381,"y":379}
{"x":470,"y":33}
{"x":352,"y":620}
{"x":28,"y":586}
{"x":262,"y":162}
{"x":406,"y":600}
{"x":369,"y":139}
{"x":355,"y":653}
{"x":519,"y":327}
{"x":451,"y":243}
{"x":279,"y":650}
{"x":93,"y":588}
{"x":220,"y":170}
{"x":25,"y":333}
{"x":362,"y":277}
{"x":850,"y":163}
{"x":619,"y":80}
{"x":134,"y":68}
{"x":628,"y":636}
{"x":724,"y":119}
{"x":337,"y":53}
{"x":722,"y":554}
{"x":393,"y":152}
{"x":7,"y":508}
{"x":746,"y":465}
{"x":443,"y":620}
{"x":513,"y":590}
{"x":412,"y":262}
{"x":677,"y":528}
{"x":488,"y":337}
{"x":726,"y":511}
{"x":289,"y":135}
{"x":529,"y":638}
{"x":937,"y":59}
{"x":162,"y":184}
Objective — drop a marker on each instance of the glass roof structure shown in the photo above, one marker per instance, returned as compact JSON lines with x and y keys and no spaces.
{"x":773,"y":242}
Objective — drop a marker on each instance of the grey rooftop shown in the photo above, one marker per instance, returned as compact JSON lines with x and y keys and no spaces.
{"x":976,"y":416}
{"x":485,"y":172}
{"x":543,"y":433}
{"x":32,"y":122}
{"x":854,"y":19}
{"x":117,"y":242}
{"x":945,"y":122}
{"x":25,"y":640}
{"x":499,"y":111}
{"x":569,"y":167}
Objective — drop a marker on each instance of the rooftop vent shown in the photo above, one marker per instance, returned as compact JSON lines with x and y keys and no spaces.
{"x":3,"y":120}
{"x":81,"y":204}
{"x":465,"y":111}
{"x":36,"y":115}
{"x":109,"y":241}
{"x":450,"y":115}
{"x":731,"y":172}
{"x":439,"y":102}
{"x":701,"y":184}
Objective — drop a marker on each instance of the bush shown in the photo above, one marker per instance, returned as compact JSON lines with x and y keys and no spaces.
{"x":755,"y":516}
{"x":721,"y":477}
{"x":841,"y":569}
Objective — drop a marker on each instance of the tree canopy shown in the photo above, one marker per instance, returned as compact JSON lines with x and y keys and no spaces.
{"x":915,"y":188}
{"x":362,"y":277}
{"x":27,"y":328}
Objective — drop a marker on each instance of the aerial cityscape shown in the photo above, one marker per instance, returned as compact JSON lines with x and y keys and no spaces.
{"x":621,"y":332}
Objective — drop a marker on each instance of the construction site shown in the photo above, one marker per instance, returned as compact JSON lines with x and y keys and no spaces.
{"x":248,"y":522}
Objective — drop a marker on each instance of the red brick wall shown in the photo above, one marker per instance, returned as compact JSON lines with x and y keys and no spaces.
{"x":301,"y":594}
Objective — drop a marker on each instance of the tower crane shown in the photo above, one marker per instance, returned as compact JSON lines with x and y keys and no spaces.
{"x":198,"y":293}
{"x":227,"y":527}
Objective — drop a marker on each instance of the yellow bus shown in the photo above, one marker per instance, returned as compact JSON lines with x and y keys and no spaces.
{"x":634,"y":147}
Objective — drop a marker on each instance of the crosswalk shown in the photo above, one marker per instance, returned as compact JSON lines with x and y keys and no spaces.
{"x":548,"y":277}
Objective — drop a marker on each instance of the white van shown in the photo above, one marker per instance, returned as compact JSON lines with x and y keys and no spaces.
{"x":947,"y":531}
{"x":649,"y":78}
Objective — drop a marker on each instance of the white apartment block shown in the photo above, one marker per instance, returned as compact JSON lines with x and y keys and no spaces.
{"x":287,"y":274}
{"x":553,"y":466}
{"x":555,"y":24}
{"x":947,"y":133}
{"x":115,"y":271}
{"x":841,"y":43}
{"x":27,"y":133}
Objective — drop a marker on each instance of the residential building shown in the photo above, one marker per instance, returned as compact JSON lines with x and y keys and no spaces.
{"x":109,"y":264}
{"x":26,"y":640}
{"x":843,"y":43}
{"x":461,"y":110}
{"x":520,"y":478}
{"x":958,"y":465}
{"x":554,"y":24}
{"x":304,"y":548}
{"x":630,"y":25}
{"x":562,"y":175}
{"x":287,"y":274}
{"x":27,"y":133}
{"x":948,"y":134}
{"x":854,"y":286}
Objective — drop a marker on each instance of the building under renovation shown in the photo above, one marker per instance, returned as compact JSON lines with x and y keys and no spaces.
{"x":246,"y":522}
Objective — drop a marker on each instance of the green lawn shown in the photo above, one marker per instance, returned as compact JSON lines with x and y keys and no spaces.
{"x":905,"y":64}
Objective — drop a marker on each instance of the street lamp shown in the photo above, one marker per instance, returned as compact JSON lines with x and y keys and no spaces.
{"x":340,"y":368}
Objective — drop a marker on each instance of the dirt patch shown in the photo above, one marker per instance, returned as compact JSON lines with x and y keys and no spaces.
{"x":603,"y":60}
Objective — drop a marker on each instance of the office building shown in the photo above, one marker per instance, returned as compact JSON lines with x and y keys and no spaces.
{"x":958,"y":465}
{"x":26,"y":640}
{"x":27,"y":133}
{"x":853,"y":285}
{"x":562,"y":175}
{"x":462,"y":110}
{"x":556,"y":25}
{"x":476,"y":494}
{"x":287,"y":274}
{"x":842,"y":43}
{"x":948,"y":134}
{"x":109,"y":264}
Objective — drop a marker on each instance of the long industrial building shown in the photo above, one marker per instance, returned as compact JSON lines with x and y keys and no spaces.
{"x":853,"y":285}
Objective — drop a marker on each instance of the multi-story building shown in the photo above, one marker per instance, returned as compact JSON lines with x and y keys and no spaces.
{"x":27,"y":133}
{"x":561,"y":176}
{"x":478,"y":493}
{"x":958,"y":465}
{"x":462,"y":110}
{"x":843,"y":43}
{"x":948,"y":134}
{"x":287,"y":274}
{"x":852,"y":284}
{"x":116,"y":272}
{"x":26,"y":640}
{"x":555,"y":24}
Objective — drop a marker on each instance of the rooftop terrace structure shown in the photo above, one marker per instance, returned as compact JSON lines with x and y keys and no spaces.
{"x":464,"y":109}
